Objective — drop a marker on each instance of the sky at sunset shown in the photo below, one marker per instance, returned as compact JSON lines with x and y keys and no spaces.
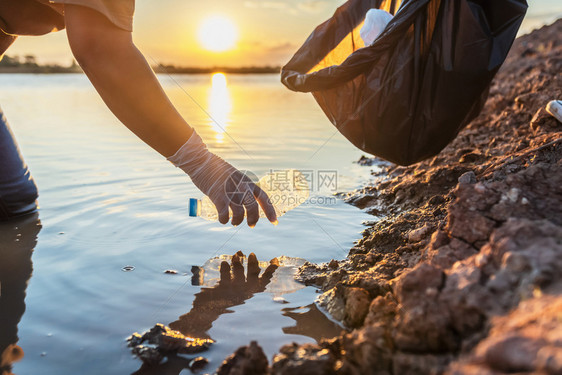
{"x":269,"y":31}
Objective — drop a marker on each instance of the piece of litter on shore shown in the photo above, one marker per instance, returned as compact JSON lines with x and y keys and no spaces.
{"x":554,"y":107}
{"x":128,"y":268}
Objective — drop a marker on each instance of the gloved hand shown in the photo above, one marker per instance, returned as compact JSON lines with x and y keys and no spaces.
{"x":225,"y":185}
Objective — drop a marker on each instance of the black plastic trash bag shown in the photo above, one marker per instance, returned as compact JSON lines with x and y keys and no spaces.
{"x":405,"y":97}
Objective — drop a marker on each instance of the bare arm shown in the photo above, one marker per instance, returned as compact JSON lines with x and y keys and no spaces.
{"x":124,"y":79}
{"x":128,"y":86}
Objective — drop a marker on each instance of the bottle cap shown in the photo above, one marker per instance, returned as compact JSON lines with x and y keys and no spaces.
{"x":193,"y":207}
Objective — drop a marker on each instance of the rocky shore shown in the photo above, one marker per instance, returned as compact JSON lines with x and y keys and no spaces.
{"x":460,"y":271}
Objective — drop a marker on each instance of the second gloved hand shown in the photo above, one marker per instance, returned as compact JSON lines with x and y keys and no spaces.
{"x":225,"y":185}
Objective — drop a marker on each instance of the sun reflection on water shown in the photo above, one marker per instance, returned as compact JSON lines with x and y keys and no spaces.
{"x":220,"y":105}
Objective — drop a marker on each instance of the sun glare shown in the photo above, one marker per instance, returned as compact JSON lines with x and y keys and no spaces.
{"x":218,"y":34}
{"x":220,"y":105}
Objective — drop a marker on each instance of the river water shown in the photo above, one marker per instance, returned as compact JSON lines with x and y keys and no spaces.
{"x":107,"y":201}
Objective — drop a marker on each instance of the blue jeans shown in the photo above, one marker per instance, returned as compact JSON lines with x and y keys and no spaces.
{"x":18,"y":192}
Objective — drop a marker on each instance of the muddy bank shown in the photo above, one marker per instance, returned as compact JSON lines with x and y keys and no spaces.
{"x":460,"y":273}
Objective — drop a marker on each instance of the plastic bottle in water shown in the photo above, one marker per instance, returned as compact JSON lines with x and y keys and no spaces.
{"x":287,"y":189}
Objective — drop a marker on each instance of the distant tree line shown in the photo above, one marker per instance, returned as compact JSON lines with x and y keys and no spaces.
{"x":29,"y":64}
{"x":172,"y":69}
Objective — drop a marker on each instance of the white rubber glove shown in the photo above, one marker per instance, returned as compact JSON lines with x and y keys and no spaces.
{"x":225,"y":185}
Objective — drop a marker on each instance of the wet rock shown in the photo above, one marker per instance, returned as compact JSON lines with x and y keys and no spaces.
{"x":247,"y":360}
{"x":361,"y":201}
{"x":311,"y":274}
{"x":171,"y":272}
{"x":153,"y":345}
{"x":333,"y":302}
{"x":168,"y":340}
{"x":198,"y":363}
{"x":148,"y":355}
{"x":306,"y":359}
{"x":367,"y":161}
{"x":134,"y":340}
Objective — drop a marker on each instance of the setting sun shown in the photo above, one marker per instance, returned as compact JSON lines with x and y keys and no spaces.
{"x":218,"y":34}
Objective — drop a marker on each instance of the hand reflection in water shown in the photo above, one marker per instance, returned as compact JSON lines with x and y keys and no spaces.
{"x":18,"y":238}
{"x":233,"y":289}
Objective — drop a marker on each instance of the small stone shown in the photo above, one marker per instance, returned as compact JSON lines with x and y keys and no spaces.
{"x":513,"y":194}
{"x":128,"y":268}
{"x":333,"y":264}
{"x":171,"y":272}
{"x":417,"y":235}
{"x":467,"y":178}
{"x":439,"y":239}
{"x":245,"y":360}
{"x":198,"y":363}
{"x":43,"y":354}
{"x":479,"y":187}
